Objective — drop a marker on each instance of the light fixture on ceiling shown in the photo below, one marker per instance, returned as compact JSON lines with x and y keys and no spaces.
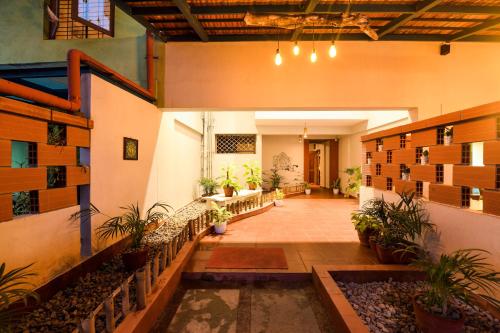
{"x":332,"y":52}
{"x":305,"y":130}
{"x":296,"y":49}
{"x":277,"y":57}
{"x":314,"y":56}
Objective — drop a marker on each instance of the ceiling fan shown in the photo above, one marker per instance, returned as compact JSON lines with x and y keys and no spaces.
{"x":346,"y":19}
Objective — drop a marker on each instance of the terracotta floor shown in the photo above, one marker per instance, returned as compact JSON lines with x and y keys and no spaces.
{"x":312,"y":230}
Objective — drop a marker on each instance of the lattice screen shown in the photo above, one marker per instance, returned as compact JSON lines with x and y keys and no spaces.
{"x":236,"y":143}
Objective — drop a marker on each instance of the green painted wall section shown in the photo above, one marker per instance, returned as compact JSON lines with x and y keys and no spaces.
{"x":21,"y":40}
{"x":19,"y":154}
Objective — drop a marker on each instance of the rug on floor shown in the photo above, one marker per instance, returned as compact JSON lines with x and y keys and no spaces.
{"x":248,"y":257}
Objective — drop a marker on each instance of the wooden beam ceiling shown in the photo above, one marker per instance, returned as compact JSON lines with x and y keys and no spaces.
{"x":145,"y":23}
{"x":474,"y":30}
{"x":310,"y":6}
{"x":184,"y":8}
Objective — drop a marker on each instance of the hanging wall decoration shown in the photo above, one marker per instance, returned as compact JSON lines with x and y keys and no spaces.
{"x":130,"y":149}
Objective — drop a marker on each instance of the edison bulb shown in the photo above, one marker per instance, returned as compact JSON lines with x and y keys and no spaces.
{"x":314,"y":56}
{"x":277,"y":58}
{"x":296,"y":49}
{"x":332,"y":52}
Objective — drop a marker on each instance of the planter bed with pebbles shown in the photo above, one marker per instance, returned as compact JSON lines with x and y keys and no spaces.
{"x":387,"y":307}
{"x":65,"y":309}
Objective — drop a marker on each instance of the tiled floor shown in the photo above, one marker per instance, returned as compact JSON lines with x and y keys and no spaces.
{"x":311,"y":229}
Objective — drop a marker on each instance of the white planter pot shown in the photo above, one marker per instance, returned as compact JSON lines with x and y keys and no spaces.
{"x":308,"y":191}
{"x":447,"y":140}
{"x":336,"y":191}
{"x":380,"y":147}
{"x":405,"y":176}
{"x":278,"y":202}
{"x":424,"y":159}
{"x":220,"y":228}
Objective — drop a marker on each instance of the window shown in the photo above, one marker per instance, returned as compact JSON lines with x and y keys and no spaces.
{"x":440,"y":136}
{"x":23,"y":154}
{"x":465,"y":197}
{"x":389,"y":156}
{"x":439,"y":173}
{"x":97,"y":14}
{"x":378,"y":169}
{"x":389,"y":184}
{"x":498,"y":176}
{"x":380,"y":144}
{"x":368,"y":158}
{"x":24,"y":203}
{"x":402,"y":141}
{"x":419,"y":188}
{"x":235,"y":143}
{"x":418,"y":154}
{"x":56,"y":176}
{"x":368,"y":180}
{"x":466,"y":153}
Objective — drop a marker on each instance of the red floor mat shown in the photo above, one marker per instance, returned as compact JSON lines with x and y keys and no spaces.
{"x":247,"y":257}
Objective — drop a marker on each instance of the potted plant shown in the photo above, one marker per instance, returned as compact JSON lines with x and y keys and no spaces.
{"x":405,"y":175}
{"x":307,"y":188}
{"x":424,"y":158}
{"x":369,"y":160}
{"x":448,"y":134}
{"x":365,"y":226}
{"x":380,"y":146}
{"x":336,"y":186}
{"x":278,"y":202}
{"x":14,"y":287}
{"x":209,"y":185}
{"x":220,"y":217}
{"x":274,"y":179}
{"x":456,"y":277}
{"x":353,"y":182}
{"x":253,"y":175}
{"x":230,"y":182}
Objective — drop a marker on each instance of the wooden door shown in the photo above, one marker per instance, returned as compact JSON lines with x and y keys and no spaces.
{"x":313,"y":166}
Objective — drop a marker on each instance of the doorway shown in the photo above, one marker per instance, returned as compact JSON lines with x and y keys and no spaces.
{"x":321,"y":161}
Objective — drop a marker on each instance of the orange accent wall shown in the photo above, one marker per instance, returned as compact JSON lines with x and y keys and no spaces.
{"x":5,"y":207}
{"x":475,"y":130}
{"x":57,"y":198}
{"x":491,"y":152}
{"x":5,"y":153}
{"x":450,"y":195}
{"x":22,"y":179}
{"x":22,"y":129}
{"x":49,"y":155}
{"x":445,"y":154}
{"x":475,"y":176}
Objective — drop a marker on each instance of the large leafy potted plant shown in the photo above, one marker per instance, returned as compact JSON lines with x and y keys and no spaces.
{"x":274,"y":178}
{"x":229,"y":182}
{"x":365,"y":226}
{"x":253,"y":174}
{"x":220,"y":217}
{"x":13,"y":288}
{"x":456,"y":277}
{"x":209,"y":186}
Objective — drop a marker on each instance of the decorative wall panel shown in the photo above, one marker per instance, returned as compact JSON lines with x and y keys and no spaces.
{"x":450,"y":195}
{"x":78,"y":137}
{"x":5,"y":207}
{"x":379,"y":157}
{"x":391,"y":142}
{"x":77,"y":175}
{"x":56,"y":155}
{"x":490,"y":202}
{"x":475,"y":176}
{"x":451,"y":154}
{"x":379,"y":182}
{"x":5,"y":153}
{"x":57,"y":198}
{"x":425,"y":173}
{"x":22,"y":179}
{"x":22,"y":129}
{"x":423,"y":138}
{"x":491,"y":153}
{"x":390,"y":170}
{"x":475,"y":130}
{"x":370,"y":146}
{"x":404,"y":185}
{"x":403,"y":156}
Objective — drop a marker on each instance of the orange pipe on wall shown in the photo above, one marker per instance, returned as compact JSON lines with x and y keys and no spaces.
{"x":75,"y":59}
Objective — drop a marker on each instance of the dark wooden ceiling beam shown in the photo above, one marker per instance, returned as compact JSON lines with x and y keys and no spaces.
{"x":184,"y":8}
{"x":145,"y":23}
{"x":421,"y":8}
{"x":309,"y":8}
{"x":474,"y":30}
{"x":320,"y":9}
{"x":322,"y":27}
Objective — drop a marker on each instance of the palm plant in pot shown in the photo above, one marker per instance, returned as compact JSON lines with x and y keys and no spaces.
{"x":220,"y":217}
{"x":253,"y":174}
{"x":209,"y":186}
{"x":365,"y":226}
{"x":274,"y":178}
{"x":452,"y":280}
{"x":229,"y":182}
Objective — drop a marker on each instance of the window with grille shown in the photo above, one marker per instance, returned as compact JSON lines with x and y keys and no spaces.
{"x":389,"y":184}
{"x":440,"y":136}
{"x":498,"y":176}
{"x":402,"y":169}
{"x":465,"y":197}
{"x":24,"y":203}
{"x":378,"y":169}
{"x":418,"y":154}
{"x":368,"y":180}
{"x":379,"y":142}
{"x":56,"y":176}
{"x":419,"y":189}
{"x":402,"y":141}
{"x":368,"y":157}
{"x":236,"y":143}
{"x":32,"y":154}
{"x":466,"y":153}
{"x":439,"y":173}
{"x":389,"y":156}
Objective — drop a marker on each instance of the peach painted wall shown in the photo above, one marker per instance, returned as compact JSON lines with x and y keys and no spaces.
{"x":364,"y":74}
{"x":289,"y":144}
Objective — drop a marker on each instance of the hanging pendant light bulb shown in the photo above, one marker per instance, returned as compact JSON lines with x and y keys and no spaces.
{"x":314,"y":56}
{"x":332,"y":52}
{"x":296,"y":49}
{"x":305,"y":131}
{"x":277,"y":58}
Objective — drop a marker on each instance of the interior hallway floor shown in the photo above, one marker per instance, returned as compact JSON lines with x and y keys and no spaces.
{"x":313,"y":229}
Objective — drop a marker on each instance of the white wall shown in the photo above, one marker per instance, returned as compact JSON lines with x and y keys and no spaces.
{"x":273,"y":145}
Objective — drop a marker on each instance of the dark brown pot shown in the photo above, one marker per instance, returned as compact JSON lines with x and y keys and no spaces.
{"x":252,"y":186}
{"x":384,"y":254}
{"x":372,"y":241}
{"x":430,"y":323}
{"x":363,"y":237}
{"x":403,"y":258}
{"x":228,"y":191}
{"x":135,"y":260}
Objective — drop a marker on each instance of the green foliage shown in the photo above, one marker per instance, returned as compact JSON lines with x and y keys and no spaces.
{"x":448,"y":131}
{"x":209,"y":185}
{"x":229,"y":179}
{"x":364,"y":222}
{"x":274,"y":178}
{"x":253,"y":173}
{"x":56,"y":135}
{"x":21,"y":203}
{"x":457,"y":276}
{"x":55,"y":177}
{"x":307,"y":185}
{"x":354,"y":181}
{"x":280,"y":195}
{"x":336,"y":183}
{"x":13,"y":287}
{"x":220,"y":215}
{"x":425,"y":153}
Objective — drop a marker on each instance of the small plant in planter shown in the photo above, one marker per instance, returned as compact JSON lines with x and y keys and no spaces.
{"x":365,"y":226}
{"x":209,"y":186}
{"x":229,"y":181}
{"x":274,"y":178}
{"x":448,"y":135}
{"x":424,"y":159}
{"x":354,"y":181}
{"x":13,"y":288}
{"x":307,"y":188}
{"x":336,"y":186}
{"x":220,"y":217}
{"x":56,"y":135}
{"x":253,"y":174}
{"x":278,"y":202}
{"x":130,"y":223}
{"x":453,"y":278}
{"x":405,"y":175}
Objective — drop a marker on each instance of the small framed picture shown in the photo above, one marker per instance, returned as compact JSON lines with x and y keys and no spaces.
{"x":130,"y":149}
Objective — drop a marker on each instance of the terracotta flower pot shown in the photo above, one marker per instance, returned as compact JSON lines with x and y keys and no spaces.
{"x":228,"y":191}
{"x":363,"y":237}
{"x":136,"y":259}
{"x":402,"y":257}
{"x":384,"y":254}
{"x":430,"y":323}
{"x":372,"y":241}
{"x":252,"y":186}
